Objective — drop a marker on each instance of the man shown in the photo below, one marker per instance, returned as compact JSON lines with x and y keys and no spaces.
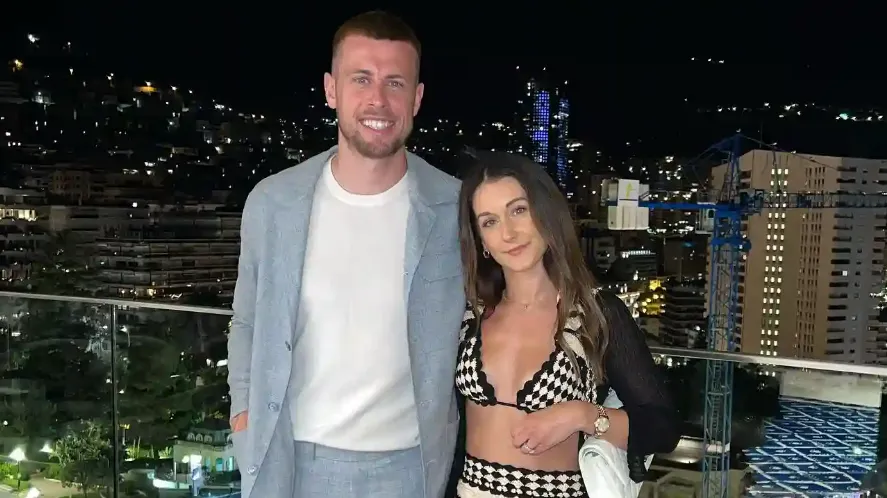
{"x":349,"y":297}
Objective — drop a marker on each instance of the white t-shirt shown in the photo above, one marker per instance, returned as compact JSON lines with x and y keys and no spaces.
{"x":351,"y":385}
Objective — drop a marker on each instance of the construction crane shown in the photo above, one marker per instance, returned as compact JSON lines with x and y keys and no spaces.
{"x":629,"y":204}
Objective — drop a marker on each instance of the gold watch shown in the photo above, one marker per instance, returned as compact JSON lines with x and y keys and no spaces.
{"x":602,"y":424}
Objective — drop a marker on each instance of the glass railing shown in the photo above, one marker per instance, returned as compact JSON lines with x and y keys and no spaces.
{"x":120,"y":398}
{"x":798,"y":427}
{"x":113,"y":398}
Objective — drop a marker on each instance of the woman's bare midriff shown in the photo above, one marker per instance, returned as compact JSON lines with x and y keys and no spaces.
{"x":488,"y":437}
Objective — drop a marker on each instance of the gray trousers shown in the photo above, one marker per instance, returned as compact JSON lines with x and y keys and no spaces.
{"x":323,"y":472}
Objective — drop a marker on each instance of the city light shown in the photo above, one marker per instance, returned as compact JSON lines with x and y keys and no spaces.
{"x":128,"y":189}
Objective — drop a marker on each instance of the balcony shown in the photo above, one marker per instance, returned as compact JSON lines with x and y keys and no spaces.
{"x":92,"y":389}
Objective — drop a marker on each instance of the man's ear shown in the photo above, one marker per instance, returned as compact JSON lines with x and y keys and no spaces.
{"x":329,"y":89}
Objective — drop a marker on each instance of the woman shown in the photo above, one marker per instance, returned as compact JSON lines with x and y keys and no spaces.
{"x":533,"y":302}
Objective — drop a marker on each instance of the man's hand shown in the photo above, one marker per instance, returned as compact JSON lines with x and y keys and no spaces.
{"x":539,"y":431}
{"x":239,"y":422}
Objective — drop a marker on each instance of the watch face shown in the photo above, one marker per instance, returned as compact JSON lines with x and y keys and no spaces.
{"x":602,"y":424}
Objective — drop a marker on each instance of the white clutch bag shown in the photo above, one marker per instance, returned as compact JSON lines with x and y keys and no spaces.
{"x":604,"y":467}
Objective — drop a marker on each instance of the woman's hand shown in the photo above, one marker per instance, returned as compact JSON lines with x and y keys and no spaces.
{"x":540,"y":431}
{"x":239,"y":422}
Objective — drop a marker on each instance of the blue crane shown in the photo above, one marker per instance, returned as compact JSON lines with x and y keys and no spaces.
{"x":725,"y":213}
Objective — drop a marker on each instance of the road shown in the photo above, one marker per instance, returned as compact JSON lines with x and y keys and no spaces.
{"x":48,"y":489}
{"x":6,"y":492}
{"x":51,"y":489}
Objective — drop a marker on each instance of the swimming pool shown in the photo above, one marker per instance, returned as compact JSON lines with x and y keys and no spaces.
{"x":815,"y":449}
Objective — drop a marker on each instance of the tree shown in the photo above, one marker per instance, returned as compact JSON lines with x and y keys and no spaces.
{"x":169,"y":381}
{"x":60,"y":350}
{"x":155,"y":400}
{"x":755,"y":397}
{"x":208,"y":345}
{"x":28,"y":416}
{"x":754,"y":393}
{"x":83,"y":458}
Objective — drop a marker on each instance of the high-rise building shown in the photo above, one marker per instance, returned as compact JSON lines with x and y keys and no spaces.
{"x":544,"y":116}
{"x":587,"y":171}
{"x":808,"y":286}
{"x":21,"y":237}
{"x":682,"y":321}
{"x":685,"y":257}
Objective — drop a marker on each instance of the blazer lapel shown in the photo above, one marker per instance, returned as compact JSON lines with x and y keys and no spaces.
{"x":292,"y":224}
{"x":420,"y":222}
{"x":291,"y":236}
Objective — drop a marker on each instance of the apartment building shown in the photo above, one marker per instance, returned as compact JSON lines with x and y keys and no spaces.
{"x":179,"y":251}
{"x":809,"y":284}
{"x":142,"y":246}
{"x":682,"y":321}
{"x":87,"y":223}
{"x":20,"y":235}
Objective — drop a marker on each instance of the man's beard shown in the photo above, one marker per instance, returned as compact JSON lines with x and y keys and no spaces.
{"x":370,"y":150}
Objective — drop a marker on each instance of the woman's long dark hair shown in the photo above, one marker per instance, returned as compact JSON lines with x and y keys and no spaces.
{"x":564,"y":262}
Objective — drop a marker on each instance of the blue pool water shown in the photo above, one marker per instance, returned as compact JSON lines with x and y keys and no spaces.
{"x":815,"y":449}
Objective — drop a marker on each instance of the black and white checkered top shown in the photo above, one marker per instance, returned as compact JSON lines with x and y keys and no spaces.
{"x":654,"y":425}
{"x":558,"y":380}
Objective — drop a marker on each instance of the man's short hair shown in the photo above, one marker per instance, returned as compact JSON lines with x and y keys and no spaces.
{"x":377,"y":25}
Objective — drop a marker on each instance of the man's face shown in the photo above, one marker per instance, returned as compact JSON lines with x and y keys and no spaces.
{"x":375,"y":91}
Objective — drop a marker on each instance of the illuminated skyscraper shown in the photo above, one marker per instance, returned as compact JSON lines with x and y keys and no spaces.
{"x":540,"y":123}
{"x":824,"y":268}
{"x":561,"y":127}
{"x":544,"y":116}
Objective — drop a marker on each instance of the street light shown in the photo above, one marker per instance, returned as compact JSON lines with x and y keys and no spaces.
{"x":18,"y":455}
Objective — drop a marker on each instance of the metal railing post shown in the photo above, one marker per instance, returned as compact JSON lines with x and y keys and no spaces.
{"x":115,"y":422}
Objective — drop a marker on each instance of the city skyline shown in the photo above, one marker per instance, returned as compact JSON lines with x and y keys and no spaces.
{"x":128,"y":155}
{"x":210,"y":154}
{"x":793,"y":121}
{"x":631,"y":94}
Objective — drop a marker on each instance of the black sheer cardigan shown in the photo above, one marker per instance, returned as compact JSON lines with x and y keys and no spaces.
{"x":653,"y":423}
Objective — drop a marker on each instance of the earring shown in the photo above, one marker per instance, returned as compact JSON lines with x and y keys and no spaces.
{"x":486,"y":254}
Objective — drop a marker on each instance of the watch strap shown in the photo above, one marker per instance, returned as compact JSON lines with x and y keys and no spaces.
{"x":602,"y":414}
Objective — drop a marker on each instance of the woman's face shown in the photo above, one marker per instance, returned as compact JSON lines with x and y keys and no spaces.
{"x":506,"y":226}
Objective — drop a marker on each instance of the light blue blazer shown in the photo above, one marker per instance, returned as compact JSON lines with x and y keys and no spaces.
{"x":273,"y":237}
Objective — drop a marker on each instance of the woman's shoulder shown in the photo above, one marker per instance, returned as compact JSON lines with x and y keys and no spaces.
{"x":612,"y":306}
{"x":472,"y":311}
{"x":572,"y":330}
{"x":606,"y":298}
{"x":609,"y":304}
{"x":470,"y":318}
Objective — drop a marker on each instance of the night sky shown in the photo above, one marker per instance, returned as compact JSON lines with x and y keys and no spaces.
{"x":628,"y":67}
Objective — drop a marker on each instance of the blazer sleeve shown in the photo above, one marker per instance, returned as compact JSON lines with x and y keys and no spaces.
{"x":653,"y":422}
{"x":240,"y":336}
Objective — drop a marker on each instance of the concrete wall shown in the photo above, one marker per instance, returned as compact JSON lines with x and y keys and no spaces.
{"x":832,"y":386}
